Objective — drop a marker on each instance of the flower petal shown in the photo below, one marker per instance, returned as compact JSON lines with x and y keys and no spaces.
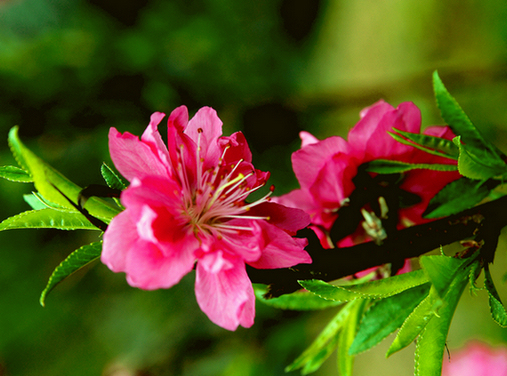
{"x":316,"y":155}
{"x":238,"y":148}
{"x":307,"y":138}
{"x":288,"y":219}
{"x":154,"y":192}
{"x":151,"y":136}
{"x":477,"y":359}
{"x":297,"y":198}
{"x":134,"y":158}
{"x":205,"y":128}
{"x":119,"y":238}
{"x":225,"y":296}
{"x":144,"y":224}
{"x":154,"y":205}
{"x":369,"y":137}
{"x":427,"y":183}
{"x":411,"y":117}
{"x":179,"y":118}
{"x":279,"y":249}
{"x":181,"y":148}
{"x":333,"y":182}
{"x":149,"y":268}
{"x":367,"y":126}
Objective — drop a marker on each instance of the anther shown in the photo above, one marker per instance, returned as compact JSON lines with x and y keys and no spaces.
{"x":373,"y":226}
{"x":383,"y":207}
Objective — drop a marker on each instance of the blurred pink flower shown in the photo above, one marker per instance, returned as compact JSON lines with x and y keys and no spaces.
{"x":476,"y":359}
{"x":186,"y":207}
{"x":335,"y":162}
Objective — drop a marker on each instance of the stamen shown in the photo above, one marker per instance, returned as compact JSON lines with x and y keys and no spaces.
{"x":373,"y":226}
{"x":371,"y":219}
{"x":247,"y":217}
{"x":216,"y":195}
{"x":209,"y":175}
{"x":182,"y":171}
{"x":251,"y":190}
{"x":234,"y":168}
{"x":243,"y":178}
{"x":198,"y":157}
{"x":224,"y":226}
{"x":234,"y":182}
{"x":383,"y":207}
{"x":255,"y":203}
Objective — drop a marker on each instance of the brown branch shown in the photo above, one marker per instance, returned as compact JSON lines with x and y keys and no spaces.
{"x":331,"y":264}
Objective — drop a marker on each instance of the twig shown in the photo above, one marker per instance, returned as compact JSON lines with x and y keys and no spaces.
{"x":484,"y":220}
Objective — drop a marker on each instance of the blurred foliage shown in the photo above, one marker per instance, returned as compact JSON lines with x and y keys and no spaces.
{"x":69,"y":70}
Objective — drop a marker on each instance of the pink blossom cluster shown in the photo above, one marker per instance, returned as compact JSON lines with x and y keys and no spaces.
{"x":325,"y":169}
{"x":477,"y":359}
{"x":186,"y":208}
{"x":186,"y":204}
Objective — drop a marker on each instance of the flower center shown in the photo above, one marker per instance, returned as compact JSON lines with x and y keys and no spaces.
{"x":217,"y":196}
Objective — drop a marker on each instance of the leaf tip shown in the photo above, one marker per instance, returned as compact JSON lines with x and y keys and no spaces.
{"x":289,"y":368}
{"x":13,"y":132}
{"x":42,"y":299}
{"x":390,"y":351}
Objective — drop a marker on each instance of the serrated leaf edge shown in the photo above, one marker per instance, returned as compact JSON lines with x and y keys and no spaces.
{"x":29,"y":212}
{"x":431,"y":295}
{"x":392,"y":331}
{"x":408,"y":142}
{"x":362,"y":295}
{"x":18,"y":180}
{"x":50,"y":286}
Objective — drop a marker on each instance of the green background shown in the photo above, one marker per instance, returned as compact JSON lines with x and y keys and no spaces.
{"x":70,"y":69}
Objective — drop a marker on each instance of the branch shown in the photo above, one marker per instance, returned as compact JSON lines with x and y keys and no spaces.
{"x":331,"y":264}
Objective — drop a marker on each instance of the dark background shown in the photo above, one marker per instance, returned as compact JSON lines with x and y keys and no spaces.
{"x":70,"y":69}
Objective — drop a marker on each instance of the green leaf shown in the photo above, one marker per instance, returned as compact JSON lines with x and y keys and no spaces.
{"x":75,"y":261}
{"x":381,"y":288}
{"x":47,"y":218}
{"x":299,"y":300}
{"x":495,"y":303}
{"x":47,"y":178}
{"x":320,"y":349}
{"x":319,"y":357}
{"x":431,"y":342}
{"x":383,"y":166}
{"x":42,"y":173}
{"x":475,"y":271}
{"x":429,"y":144}
{"x":16,"y":174}
{"x":34,"y":202}
{"x":112,"y":180}
{"x":454,"y":115}
{"x":457,"y":196}
{"x":385,"y":316}
{"x":461,"y":125}
{"x":415,"y":322}
{"x":477,"y":166}
{"x":442,"y":270}
{"x":346,"y":337}
{"x":435,"y":306}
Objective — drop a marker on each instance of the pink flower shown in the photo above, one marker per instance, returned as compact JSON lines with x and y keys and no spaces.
{"x":186,"y":207}
{"x":335,"y":162}
{"x":477,"y":359}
